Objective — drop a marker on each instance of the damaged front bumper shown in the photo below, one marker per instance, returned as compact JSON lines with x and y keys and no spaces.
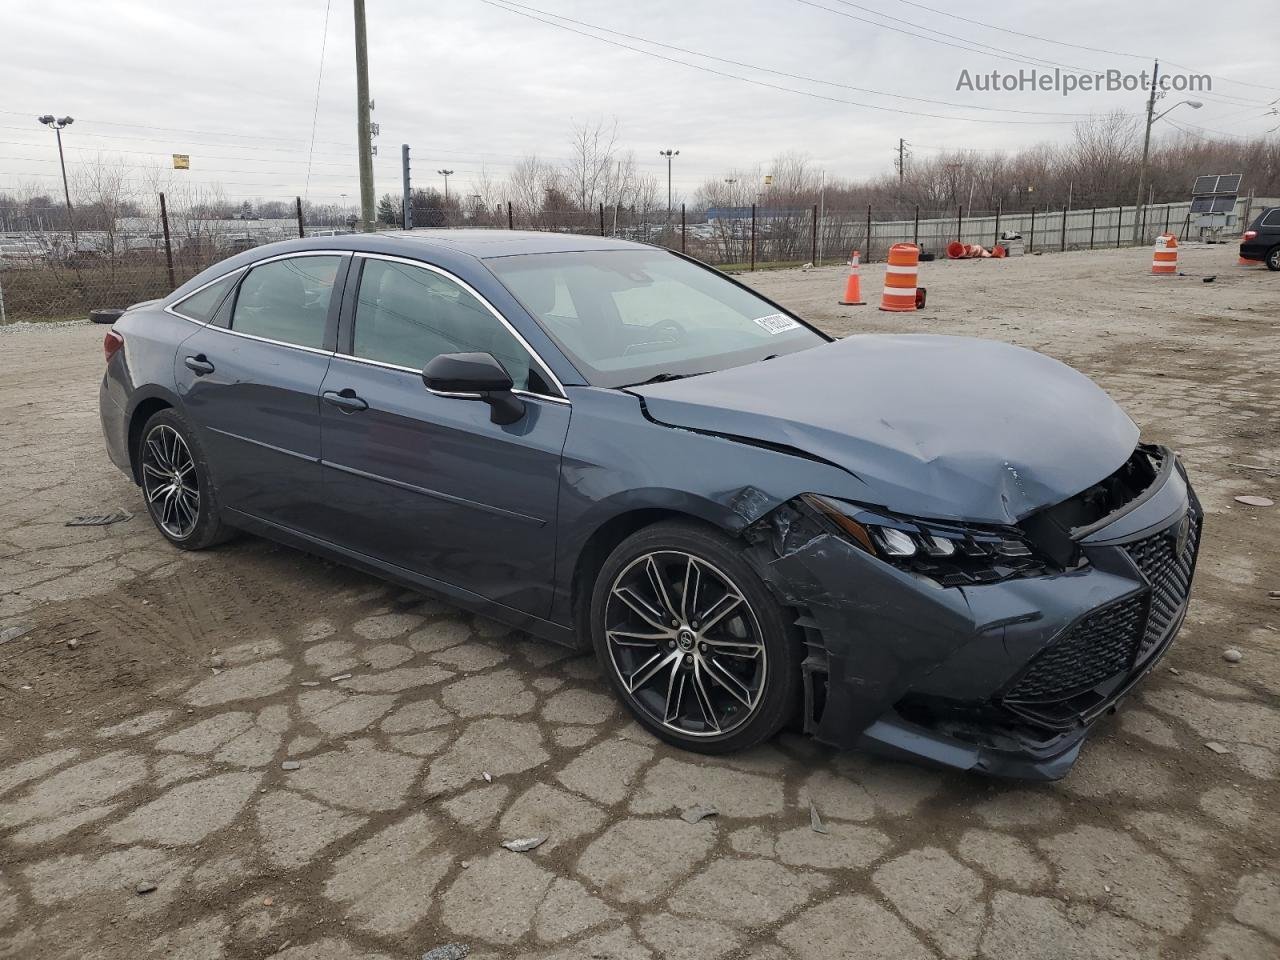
{"x":1003,"y":678}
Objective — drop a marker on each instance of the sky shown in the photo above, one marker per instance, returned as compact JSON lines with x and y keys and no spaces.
{"x":261,"y":95}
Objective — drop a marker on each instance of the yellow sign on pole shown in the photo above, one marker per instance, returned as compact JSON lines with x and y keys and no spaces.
{"x":768,"y":180}
{"x":181,"y":161}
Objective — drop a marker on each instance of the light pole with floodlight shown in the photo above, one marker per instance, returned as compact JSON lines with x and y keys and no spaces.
{"x":57,"y":123}
{"x":668,"y":154}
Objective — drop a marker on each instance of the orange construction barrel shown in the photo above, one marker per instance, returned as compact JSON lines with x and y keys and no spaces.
{"x":1164,"y":260}
{"x":900,"y":278}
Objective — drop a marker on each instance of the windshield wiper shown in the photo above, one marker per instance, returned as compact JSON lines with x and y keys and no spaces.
{"x":662,"y":378}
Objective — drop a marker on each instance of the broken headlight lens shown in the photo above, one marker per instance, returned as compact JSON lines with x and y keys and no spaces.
{"x":950,"y":554}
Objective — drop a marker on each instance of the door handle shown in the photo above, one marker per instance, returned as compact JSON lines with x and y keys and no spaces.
{"x":199,"y":365}
{"x":345,"y":400}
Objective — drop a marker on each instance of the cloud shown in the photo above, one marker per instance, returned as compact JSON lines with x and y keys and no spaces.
{"x":471,"y":86}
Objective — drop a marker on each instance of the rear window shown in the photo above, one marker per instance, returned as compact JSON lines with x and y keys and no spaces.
{"x":202,"y":304}
{"x":1271,"y":218}
{"x":287,"y":300}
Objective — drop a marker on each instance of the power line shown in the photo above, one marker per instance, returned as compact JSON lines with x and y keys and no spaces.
{"x":1076,"y":46}
{"x":962,"y":43}
{"x":970,"y":46}
{"x":762,"y":83}
{"x":1028,"y":36}
{"x":783,"y":73}
{"x":466,"y":156}
{"x":315,"y":114}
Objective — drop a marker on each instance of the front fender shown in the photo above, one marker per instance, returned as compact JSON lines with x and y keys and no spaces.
{"x":617,"y":461}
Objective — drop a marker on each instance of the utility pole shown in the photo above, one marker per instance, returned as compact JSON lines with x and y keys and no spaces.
{"x":668,"y":154}
{"x":446,"y":174}
{"x":364,"y":130}
{"x":1146,"y":149}
{"x":57,"y":123}
{"x":406,"y":187}
{"x":902,"y":163}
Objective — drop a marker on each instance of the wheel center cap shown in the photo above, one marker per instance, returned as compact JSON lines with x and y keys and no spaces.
{"x":686,"y":638}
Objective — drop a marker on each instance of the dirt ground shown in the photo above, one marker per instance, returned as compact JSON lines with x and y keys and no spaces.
{"x":147,"y":712}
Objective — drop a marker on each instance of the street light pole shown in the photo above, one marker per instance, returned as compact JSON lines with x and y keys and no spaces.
{"x":57,"y":123}
{"x":446,"y":174}
{"x":668,"y":154}
{"x":1146,"y":146}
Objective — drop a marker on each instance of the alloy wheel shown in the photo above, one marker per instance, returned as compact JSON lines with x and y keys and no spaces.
{"x":169,"y":482}
{"x":685,"y":643}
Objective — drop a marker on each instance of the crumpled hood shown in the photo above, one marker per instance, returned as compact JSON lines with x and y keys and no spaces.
{"x":934,"y":426}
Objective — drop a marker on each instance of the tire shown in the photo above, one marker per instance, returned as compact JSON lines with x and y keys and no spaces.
{"x":1273,"y":258}
{"x":105,"y":315}
{"x":727,"y":684}
{"x":187,"y":516}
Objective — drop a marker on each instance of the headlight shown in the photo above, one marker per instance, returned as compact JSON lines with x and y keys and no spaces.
{"x":950,"y":554}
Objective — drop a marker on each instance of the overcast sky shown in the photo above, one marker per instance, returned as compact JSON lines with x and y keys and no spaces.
{"x":472,"y":86}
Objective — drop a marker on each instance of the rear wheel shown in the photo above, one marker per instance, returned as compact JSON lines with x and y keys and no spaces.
{"x":1273,"y":258}
{"x":176,"y":483}
{"x":692,"y":640}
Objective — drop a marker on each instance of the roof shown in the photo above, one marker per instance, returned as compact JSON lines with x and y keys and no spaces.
{"x":506,"y":243}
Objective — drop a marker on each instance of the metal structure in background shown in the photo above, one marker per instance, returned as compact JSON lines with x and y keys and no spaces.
{"x":1213,"y":205}
{"x":364,"y":125}
{"x":446,"y":174}
{"x":406,"y":189}
{"x":57,"y":124}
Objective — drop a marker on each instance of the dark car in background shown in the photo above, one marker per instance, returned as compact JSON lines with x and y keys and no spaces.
{"x":939,"y":547}
{"x":1262,"y":240}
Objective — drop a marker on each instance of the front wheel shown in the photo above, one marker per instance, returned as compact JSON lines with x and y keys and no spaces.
{"x":692,"y":640}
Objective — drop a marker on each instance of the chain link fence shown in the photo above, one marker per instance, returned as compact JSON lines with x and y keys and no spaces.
{"x":51,"y":275}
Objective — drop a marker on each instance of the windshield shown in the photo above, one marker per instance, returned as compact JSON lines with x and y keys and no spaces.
{"x":629,"y":316}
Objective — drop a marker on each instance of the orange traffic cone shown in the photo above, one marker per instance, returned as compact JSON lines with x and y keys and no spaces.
{"x":1165,"y":257}
{"x":853,"y":288}
{"x":900,"y":278}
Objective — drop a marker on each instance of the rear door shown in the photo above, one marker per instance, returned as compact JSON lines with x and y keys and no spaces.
{"x":427,"y":482}
{"x":251,"y":379}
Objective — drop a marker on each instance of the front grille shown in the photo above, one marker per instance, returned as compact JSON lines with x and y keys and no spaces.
{"x":1116,"y":639}
{"x":1097,"y":648}
{"x":1169,"y":576}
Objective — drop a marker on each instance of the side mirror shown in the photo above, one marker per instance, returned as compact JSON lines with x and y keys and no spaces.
{"x":474,"y":376}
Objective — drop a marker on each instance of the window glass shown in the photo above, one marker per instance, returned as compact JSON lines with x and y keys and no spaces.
{"x":407,"y":315}
{"x":1272,"y":219}
{"x":627,"y":316}
{"x":287,"y":300}
{"x":201,"y":304}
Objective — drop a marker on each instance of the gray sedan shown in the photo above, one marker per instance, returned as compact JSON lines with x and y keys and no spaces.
{"x":941,"y":547}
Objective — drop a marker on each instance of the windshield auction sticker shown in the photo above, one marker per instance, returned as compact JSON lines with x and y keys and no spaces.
{"x":777,"y":323}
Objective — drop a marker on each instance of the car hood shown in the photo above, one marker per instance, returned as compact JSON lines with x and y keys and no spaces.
{"x":933,"y":426}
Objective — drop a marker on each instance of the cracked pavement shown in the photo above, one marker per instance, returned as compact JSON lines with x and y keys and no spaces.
{"x":152,"y":751}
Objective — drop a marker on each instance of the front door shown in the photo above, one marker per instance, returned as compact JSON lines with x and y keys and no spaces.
{"x":250,"y":381}
{"x":427,"y":482}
